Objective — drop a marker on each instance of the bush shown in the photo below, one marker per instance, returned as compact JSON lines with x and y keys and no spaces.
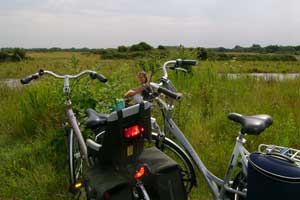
{"x":142,"y":46}
{"x":18,"y":54}
{"x":122,"y":49}
{"x":202,"y":53}
{"x":161,"y":47}
{"x":4,"y":56}
{"x":251,"y":57}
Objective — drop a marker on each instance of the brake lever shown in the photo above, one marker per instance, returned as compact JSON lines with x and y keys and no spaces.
{"x":181,"y":69}
{"x":174,"y":67}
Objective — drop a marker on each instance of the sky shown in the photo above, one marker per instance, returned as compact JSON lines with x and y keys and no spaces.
{"x":110,"y":23}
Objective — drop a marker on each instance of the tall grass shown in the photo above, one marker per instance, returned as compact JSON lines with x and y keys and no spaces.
{"x":32,"y":152}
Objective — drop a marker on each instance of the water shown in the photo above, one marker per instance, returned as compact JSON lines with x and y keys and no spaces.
{"x":264,"y":76}
{"x":12,"y":83}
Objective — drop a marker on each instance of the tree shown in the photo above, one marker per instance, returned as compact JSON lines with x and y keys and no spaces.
{"x":202,"y":53}
{"x":122,"y":48}
{"x":272,"y":48}
{"x":221,"y":49}
{"x":3,"y":55}
{"x":238,"y":48}
{"x":142,"y":46}
{"x":161,"y":47}
{"x":18,"y":54}
{"x":257,"y":46}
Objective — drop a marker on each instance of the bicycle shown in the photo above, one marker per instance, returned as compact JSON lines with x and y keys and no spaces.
{"x":82,"y":153}
{"x":95,"y":122}
{"x":228,"y":187}
{"x":77,"y":150}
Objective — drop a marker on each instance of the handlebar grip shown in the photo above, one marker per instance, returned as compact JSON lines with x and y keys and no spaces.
{"x":169,"y":93}
{"x":29,"y":78}
{"x":102,"y":78}
{"x":180,"y":62}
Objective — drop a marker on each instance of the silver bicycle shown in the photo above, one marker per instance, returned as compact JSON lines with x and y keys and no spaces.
{"x":77,"y":149}
{"x":228,"y":187}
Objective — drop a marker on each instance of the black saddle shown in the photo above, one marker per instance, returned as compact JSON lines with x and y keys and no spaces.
{"x":252,"y":125}
{"x":95,"y":119}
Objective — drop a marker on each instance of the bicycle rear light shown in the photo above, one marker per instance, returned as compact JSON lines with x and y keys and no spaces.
{"x":133,"y":131}
{"x":139,"y":173}
{"x":106,"y":195}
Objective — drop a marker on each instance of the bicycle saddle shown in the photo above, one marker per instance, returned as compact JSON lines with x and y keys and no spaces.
{"x":252,"y":125}
{"x":95,"y":119}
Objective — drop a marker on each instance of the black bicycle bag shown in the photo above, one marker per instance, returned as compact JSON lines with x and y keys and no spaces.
{"x":125,"y":132}
{"x":104,"y":182}
{"x":164,"y":178}
{"x":272,"y":177}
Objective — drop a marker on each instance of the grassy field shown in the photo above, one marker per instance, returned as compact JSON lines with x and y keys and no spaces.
{"x":32,"y":152}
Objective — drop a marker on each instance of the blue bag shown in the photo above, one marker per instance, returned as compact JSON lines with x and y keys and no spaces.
{"x":272,"y":176}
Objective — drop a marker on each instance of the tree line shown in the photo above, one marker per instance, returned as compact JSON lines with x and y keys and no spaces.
{"x":143,"y":46}
{"x":143,"y":49}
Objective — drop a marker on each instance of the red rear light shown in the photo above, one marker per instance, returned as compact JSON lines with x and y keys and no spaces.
{"x":133,"y":131}
{"x":106,"y":195}
{"x":139,"y":173}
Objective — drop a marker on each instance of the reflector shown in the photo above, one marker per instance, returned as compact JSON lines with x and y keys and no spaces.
{"x":139,"y":173}
{"x":78,"y":185}
{"x":106,"y":195}
{"x":133,"y":131}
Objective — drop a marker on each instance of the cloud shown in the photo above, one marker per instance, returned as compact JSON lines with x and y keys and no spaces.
{"x":106,"y":23}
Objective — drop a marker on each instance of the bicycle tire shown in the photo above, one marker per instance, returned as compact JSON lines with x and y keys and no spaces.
{"x":74,"y":158}
{"x":189,"y":175}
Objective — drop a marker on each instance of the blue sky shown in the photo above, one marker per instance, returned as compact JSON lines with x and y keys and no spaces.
{"x":110,"y":23}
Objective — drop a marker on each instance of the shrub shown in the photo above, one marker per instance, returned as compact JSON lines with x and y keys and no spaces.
{"x":142,"y":46}
{"x":254,"y":57}
{"x":161,"y":47}
{"x":18,"y":54}
{"x":122,"y":48}
{"x":202,"y":53}
{"x":4,"y":56}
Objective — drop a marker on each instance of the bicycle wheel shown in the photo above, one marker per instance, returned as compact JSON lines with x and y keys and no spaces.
{"x":174,"y":151}
{"x":240,"y":184}
{"x":74,"y":157}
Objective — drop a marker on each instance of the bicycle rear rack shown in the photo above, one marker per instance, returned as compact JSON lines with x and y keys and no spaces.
{"x":293,"y":154}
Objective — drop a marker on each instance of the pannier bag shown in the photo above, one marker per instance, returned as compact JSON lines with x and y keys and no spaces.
{"x":126,"y":129}
{"x":164,"y":179}
{"x":272,"y":176}
{"x":102,"y":183}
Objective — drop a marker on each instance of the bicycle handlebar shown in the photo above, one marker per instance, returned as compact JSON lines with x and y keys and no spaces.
{"x":29,"y":78}
{"x":177,"y":64}
{"x":92,"y":74}
{"x":180,"y":62}
{"x":169,"y":93}
{"x":100,"y":77}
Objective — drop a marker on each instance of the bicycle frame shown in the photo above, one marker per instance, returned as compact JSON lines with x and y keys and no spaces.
{"x":218,"y":186}
{"x":213,"y":181}
{"x":69,"y":111}
{"x":70,"y":114}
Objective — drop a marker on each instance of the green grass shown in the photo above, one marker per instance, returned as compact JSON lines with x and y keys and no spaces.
{"x":32,"y":153}
{"x":253,"y":66}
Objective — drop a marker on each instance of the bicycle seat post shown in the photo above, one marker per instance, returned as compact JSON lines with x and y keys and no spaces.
{"x":241,"y":138}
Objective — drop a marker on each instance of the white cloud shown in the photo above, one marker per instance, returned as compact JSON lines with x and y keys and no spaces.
{"x":106,"y":23}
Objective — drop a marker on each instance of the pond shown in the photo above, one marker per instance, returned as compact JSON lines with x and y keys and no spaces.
{"x":264,"y":76}
{"x":12,"y":83}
